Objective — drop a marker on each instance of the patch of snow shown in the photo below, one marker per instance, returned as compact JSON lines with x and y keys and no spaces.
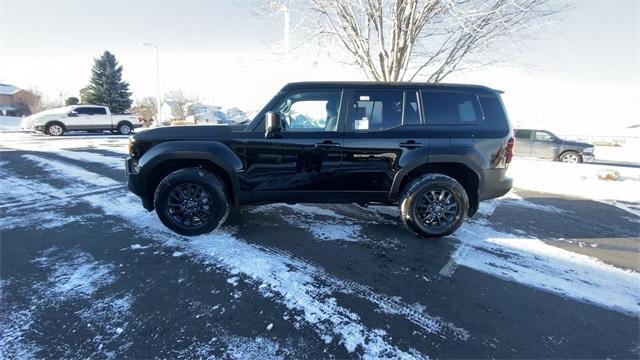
{"x":258,"y":349}
{"x":79,"y":275}
{"x":110,"y":161}
{"x":68,"y":171}
{"x":532,"y":262}
{"x":177,"y":254}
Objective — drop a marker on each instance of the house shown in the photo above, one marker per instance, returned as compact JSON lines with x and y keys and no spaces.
{"x":15,"y":101}
{"x":199,"y":113}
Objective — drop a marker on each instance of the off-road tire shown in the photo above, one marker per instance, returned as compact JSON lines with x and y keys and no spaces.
{"x":216,"y":189}
{"x":418,"y":187}
{"x":52,"y":129}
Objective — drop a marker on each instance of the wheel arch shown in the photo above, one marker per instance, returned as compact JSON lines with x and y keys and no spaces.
{"x":564,"y":151}
{"x":462,"y":172}
{"x":163,"y":159}
{"x":51,"y":122}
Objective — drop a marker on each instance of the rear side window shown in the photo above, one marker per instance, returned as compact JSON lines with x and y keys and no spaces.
{"x":376,"y":110}
{"x":451,"y":108}
{"x":523,"y":134}
{"x":99,"y":111}
{"x":83,"y":111}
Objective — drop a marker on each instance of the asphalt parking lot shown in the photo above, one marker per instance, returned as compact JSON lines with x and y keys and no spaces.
{"x":85,"y":271}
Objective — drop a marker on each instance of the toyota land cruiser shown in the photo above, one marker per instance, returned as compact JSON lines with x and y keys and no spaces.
{"x":434,"y":150}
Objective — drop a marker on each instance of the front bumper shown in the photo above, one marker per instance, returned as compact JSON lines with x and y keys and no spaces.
{"x":136,"y":183}
{"x":588,"y":157}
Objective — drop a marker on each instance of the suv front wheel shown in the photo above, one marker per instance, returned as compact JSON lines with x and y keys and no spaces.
{"x":433,"y":205}
{"x":192,"y":201}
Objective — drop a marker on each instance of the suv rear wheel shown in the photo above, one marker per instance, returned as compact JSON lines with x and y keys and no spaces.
{"x":192,"y":201}
{"x":433,"y":205}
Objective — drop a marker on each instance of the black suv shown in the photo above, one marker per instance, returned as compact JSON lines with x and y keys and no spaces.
{"x":434,"y":150}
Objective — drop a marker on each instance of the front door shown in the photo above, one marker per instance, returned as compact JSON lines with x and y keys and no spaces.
{"x":307,"y":153}
{"x":543,"y":145}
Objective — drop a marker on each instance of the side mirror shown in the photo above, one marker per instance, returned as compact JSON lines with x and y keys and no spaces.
{"x":72,"y":114}
{"x":273,"y":124}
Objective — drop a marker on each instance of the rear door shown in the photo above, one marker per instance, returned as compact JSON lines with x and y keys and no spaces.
{"x":382,"y":127}
{"x":523,"y":142}
{"x":98,"y":118}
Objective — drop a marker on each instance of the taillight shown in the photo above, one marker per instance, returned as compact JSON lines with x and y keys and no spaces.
{"x":510,"y":145}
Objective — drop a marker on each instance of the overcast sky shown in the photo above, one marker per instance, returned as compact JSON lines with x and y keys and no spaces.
{"x":584,"y":75}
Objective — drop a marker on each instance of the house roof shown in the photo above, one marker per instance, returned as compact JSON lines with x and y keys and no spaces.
{"x":6,"y":89}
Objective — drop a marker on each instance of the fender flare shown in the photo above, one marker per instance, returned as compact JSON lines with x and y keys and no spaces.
{"x":211,"y":151}
{"x":433,"y":159}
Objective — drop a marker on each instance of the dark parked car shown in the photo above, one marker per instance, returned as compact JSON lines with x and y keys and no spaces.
{"x":546,"y":145}
{"x":433,"y":150}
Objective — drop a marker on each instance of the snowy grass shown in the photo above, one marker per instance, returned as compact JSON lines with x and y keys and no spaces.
{"x":575,"y":180}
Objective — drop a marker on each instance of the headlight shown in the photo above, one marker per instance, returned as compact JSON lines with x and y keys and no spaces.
{"x":588,"y":150}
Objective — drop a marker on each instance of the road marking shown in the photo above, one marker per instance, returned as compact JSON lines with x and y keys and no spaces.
{"x":450,"y":267}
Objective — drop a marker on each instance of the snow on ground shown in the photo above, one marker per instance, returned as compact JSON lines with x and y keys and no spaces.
{"x":532,"y":262}
{"x":73,"y":277}
{"x":627,"y":153}
{"x":10,"y":123}
{"x":33,"y":142}
{"x":576,"y":180}
{"x":487,"y":207}
{"x":71,"y":171}
{"x":300,"y":286}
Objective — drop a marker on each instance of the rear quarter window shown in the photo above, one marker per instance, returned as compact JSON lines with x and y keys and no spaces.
{"x":451,"y":107}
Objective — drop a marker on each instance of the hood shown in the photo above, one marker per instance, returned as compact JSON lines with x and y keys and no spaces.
{"x":576,"y":144}
{"x":186,"y":132}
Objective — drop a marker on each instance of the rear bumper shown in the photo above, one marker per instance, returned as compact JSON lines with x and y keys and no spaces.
{"x":495,"y":184}
{"x":136,"y":183}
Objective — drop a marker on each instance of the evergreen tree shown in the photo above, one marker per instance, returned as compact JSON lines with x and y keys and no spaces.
{"x":72,"y":101}
{"x":106,"y":86}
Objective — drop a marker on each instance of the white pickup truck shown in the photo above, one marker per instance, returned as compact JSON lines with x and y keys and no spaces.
{"x":80,"y":117}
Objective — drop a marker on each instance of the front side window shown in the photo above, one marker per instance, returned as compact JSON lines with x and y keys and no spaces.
{"x":375,"y":110}
{"x":448,"y":107}
{"x":543,"y":136}
{"x":310,"y":110}
{"x":83,"y":111}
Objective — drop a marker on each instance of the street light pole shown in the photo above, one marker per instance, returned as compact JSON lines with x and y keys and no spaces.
{"x":158,"y":95}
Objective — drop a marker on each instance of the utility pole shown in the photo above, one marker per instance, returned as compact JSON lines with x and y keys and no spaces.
{"x":287,"y":40}
{"x":158,"y":121}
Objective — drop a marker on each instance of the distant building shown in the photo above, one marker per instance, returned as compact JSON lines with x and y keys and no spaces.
{"x":199,"y":113}
{"x":15,"y":101}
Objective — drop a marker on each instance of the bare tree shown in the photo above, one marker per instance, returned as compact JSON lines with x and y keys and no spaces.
{"x":178,"y":102}
{"x":146,"y":109}
{"x":395,"y":40}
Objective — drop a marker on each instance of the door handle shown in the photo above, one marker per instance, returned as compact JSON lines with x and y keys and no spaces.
{"x":327,"y":143}
{"x":411,"y":144}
